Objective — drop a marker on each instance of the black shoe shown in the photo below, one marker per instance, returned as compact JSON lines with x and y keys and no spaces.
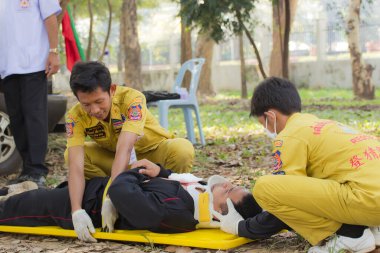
{"x":40,"y":180}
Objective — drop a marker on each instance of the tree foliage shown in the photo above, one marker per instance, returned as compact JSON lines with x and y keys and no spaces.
{"x":221,"y":17}
{"x":217,"y":16}
{"x":151,"y":4}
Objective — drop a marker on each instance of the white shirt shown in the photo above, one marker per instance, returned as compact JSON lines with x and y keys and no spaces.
{"x":24,"y":44}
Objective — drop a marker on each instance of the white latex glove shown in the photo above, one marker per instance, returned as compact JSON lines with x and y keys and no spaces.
{"x":109,"y":215}
{"x":229,"y":223}
{"x":83,"y":226}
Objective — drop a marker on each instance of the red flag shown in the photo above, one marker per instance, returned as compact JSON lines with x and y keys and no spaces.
{"x":74,"y":51}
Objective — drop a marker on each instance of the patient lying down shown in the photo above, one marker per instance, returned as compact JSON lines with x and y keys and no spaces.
{"x":148,"y":197}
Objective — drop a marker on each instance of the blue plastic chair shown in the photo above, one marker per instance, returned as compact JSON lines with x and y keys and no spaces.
{"x":194,"y":66}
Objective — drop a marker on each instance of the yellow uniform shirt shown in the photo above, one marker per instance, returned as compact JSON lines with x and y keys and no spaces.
{"x":128,"y":113}
{"x":326,"y":149}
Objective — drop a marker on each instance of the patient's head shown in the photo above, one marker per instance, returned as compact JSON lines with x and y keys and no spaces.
{"x":243,"y":200}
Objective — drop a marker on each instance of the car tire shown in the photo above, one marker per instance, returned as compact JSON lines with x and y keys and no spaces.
{"x":10,"y":160}
{"x":56,"y":110}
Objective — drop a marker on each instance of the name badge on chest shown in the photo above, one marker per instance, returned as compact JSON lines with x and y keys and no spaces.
{"x":96,"y":132}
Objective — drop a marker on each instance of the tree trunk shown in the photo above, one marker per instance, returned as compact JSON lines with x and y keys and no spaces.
{"x":283,"y":12}
{"x":205,"y":48}
{"x":132,"y":60}
{"x":186,"y":51}
{"x":108,"y":30}
{"x":89,"y":45}
{"x":251,"y":40}
{"x":285,"y":55}
{"x":361,"y":73}
{"x":242,"y":68}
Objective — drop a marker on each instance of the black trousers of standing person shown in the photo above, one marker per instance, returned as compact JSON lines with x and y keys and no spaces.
{"x":26,"y":101}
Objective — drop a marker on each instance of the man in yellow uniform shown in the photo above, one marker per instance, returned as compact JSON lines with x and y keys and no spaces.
{"x":120,"y":127}
{"x":325,"y":177}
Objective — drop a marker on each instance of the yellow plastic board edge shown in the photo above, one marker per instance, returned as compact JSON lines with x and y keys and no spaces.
{"x":201,"y":238}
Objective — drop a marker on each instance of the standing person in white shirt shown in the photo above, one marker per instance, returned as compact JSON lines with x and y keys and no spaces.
{"x":28,"y":56}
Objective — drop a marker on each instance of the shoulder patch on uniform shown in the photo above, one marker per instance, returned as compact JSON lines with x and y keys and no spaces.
{"x":277,"y":163}
{"x":135,"y":109}
{"x":69,"y":125}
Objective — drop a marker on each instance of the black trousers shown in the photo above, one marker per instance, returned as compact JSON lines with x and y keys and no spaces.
{"x":41,"y":207}
{"x":26,"y":101}
{"x":51,"y":207}
{"x":158,"y":205}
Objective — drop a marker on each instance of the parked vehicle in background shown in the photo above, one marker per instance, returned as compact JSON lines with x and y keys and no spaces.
{"x":338,"y":47}
{"x":299,"y":48}
{"x":10,"y":159}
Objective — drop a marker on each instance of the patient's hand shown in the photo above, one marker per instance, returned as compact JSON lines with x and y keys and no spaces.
{"x":150,"y":169}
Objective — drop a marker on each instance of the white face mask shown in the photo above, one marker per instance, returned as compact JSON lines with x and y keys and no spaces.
{"x":269,"y":133}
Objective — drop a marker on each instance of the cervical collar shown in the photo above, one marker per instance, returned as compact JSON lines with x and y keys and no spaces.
{"x":203,"y":202}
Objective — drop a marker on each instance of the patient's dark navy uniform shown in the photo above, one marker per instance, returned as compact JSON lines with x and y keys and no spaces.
{"x":155,"y":204}
{"x":162,"y":205}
